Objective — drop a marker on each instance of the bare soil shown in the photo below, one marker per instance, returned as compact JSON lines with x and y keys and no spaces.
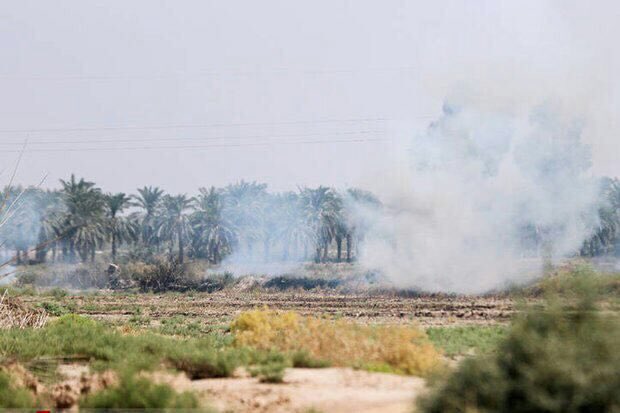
{"x":221,"y":307}
{"x":336,"y":390}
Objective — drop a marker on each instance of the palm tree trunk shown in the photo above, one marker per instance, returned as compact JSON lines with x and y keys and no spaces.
{"x":339,"y":247}
{"x":181,"y":246}
{"x":113,"y":247}
{"x":349,"y":240}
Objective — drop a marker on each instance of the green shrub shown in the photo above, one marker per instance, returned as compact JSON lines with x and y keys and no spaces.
{"x":303,"y":359}
{"x":573,"y":277}
{"x":217,"y":282}
{"x":11,"y":396}
{"x":57,"y":293}
{"x":139,"y":393}
{"x":460,"y":340}
{"x":202,"y":364}
{"x":53,"y":308}
{"x":558,"y":358}
{"x":271,"y":367}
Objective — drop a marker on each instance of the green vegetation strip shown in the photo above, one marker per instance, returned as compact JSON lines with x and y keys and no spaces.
{"x":464,"y":340}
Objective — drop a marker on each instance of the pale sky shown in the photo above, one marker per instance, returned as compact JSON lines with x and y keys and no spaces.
{"x":184,"y":94}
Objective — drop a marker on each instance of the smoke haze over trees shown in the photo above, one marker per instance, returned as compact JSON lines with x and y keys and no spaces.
{"x":245,"y":223}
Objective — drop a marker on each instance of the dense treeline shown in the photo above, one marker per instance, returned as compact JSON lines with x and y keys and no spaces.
{"x":72,"y":223}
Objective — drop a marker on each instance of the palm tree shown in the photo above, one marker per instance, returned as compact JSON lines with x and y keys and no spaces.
{"x":213,"y":234}
{"x":51,"y":207}
{"x":82,"y":225}
{"x":120,"y":228}
{"x":322,"y":208}
{"x":19,"y":220}
{"x":359,"y":209}
{"x":606,"y":234}
{"x":174,"y":221}
{"x":149,"y":199}
{"x":292,"y":226}
{"x":244,"y":204}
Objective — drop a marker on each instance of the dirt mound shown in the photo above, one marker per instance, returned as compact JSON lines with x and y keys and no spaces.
{"x":15,"y":314}
{"x":78,"y":381}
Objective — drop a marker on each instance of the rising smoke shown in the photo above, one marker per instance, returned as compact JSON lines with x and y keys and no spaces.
{"x":489,"y":196}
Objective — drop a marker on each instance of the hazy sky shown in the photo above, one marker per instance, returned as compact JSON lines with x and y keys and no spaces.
{"x":184,"y":94}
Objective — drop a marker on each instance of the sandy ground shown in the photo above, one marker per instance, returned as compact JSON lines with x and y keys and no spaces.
{"x":330,"y":390}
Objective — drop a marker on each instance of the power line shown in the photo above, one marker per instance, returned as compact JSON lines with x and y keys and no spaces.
{"x":201,"y":74}
{"x":203,"y":146}
{"x":175,"y":139}
{"x":188,"y":126}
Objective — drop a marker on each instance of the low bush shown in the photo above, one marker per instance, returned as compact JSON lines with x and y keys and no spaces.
{"x":287,"y":282}
{"x":217,"y":282}
{"x":303,"y":359}
{"x":461,"y":340}
{"x":53,"y":308}
{"x":139,"y":393}
{"x":571,"y":278}
{"x":201,"y":364}
{"x":271,"y":368}
{"x":163,"y":275}
{"x":561,"y":357}
{"x":342,"y":343}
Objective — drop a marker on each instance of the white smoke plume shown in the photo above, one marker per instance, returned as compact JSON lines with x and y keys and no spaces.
{"x":490,"y":194}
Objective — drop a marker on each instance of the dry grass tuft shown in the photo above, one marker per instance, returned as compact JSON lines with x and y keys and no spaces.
{"x":402,"y":349}
{"x":14,"y":314}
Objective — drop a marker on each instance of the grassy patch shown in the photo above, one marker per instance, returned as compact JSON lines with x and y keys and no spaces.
{"x":79,"y":337}
{"x":461,"y":340}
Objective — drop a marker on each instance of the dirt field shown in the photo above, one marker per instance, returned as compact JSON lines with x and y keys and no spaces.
{"x":334,"y":390}
{"x":219,"y":308}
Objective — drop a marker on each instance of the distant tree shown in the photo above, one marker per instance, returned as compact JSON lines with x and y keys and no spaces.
{"x":359,"y":210}
{"x":213,"y":234}
{"x":149,"y":200}
{"x":292,"y":225}
{"x":82,"y":226}
{"x":322,"y":208}
{"x":51,"y":207}
{"x":19,"y":220}
{"x":174,"y":222}
{"x":606,"y":235}
{"x":244,"y":204}
{"x":121,"y":229}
